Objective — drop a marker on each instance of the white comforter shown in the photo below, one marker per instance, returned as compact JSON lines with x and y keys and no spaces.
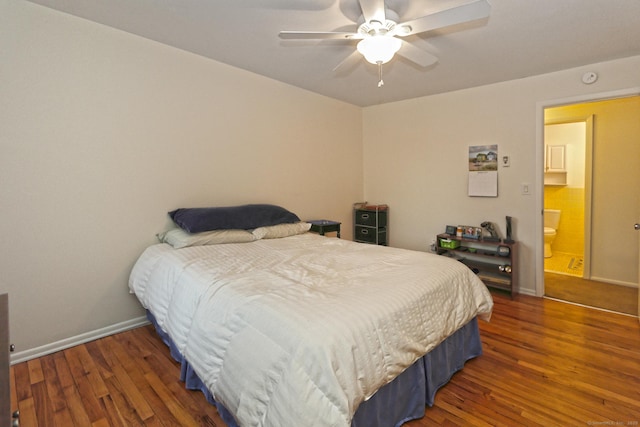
{"x":298,"y":331}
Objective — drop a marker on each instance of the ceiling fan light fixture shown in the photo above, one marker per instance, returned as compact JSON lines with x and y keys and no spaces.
{"x":379,"y":49}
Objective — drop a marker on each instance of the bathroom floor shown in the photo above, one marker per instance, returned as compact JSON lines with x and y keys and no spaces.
{"x":562,"y":263}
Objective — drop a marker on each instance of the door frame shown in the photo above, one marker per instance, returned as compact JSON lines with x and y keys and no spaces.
{"x":539,"y":171}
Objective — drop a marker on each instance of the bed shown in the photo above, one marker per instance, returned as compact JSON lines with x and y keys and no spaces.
{"x":279,"y":326}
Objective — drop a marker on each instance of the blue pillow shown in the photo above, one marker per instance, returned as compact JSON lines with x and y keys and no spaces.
{"x":246,"y":217}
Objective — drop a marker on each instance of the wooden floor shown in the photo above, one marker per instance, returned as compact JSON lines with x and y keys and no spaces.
{"x":621,"y":299}
{"x":545,"y":363}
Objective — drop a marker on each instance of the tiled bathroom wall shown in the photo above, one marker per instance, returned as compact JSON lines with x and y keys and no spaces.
{"x":570,"y":233}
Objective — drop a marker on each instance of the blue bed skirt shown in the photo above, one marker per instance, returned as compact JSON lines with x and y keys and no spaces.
{"x":396,"y":403}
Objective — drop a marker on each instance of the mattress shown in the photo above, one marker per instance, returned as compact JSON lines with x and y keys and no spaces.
{"x":301,"y":330}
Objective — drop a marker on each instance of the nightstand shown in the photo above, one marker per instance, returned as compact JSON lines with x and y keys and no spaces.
{"x":322,"y":226}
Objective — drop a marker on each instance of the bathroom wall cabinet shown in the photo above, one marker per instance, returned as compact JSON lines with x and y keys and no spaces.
{"x":495,"y":263}
{"x":556,"y":158}
{"x":555,"y":165}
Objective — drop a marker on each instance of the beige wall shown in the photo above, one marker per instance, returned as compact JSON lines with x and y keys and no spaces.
{"x":415,"y":155}
{"x":616,"y":176}
{"x":103,"y":132}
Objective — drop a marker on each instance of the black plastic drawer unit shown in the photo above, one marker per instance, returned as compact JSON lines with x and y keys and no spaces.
{"x":371,"y":218}
{"x":370,"y":225}
{"x":369,"y":235}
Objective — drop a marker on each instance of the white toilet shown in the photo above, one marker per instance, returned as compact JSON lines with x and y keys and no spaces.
{"x":551,"y":221}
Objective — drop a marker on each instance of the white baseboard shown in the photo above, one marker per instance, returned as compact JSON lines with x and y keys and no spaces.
{"x":33,"y":353}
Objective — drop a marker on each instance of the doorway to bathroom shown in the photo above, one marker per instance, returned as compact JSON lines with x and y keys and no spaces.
{"x":568,"y":154}
{"x":592,"y":163}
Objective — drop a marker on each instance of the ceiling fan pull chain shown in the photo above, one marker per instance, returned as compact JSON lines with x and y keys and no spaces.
{"x":380,"y":82}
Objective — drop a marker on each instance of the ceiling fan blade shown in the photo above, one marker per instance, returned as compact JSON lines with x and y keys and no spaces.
{"x":349,"y":61}
{"x":310,"y":35}
{"x":456,"y":15}
{"x":373,"y":10}
{"x":417,"y":55}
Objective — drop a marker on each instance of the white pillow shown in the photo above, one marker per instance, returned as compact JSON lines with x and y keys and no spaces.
{"x":281,"y":230}
{"x":178,"y":238}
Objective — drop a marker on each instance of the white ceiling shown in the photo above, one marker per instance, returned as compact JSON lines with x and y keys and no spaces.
{"x":520,"y":38}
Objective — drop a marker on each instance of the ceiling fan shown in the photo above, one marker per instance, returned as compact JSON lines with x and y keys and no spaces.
{"x":380,"y":33}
